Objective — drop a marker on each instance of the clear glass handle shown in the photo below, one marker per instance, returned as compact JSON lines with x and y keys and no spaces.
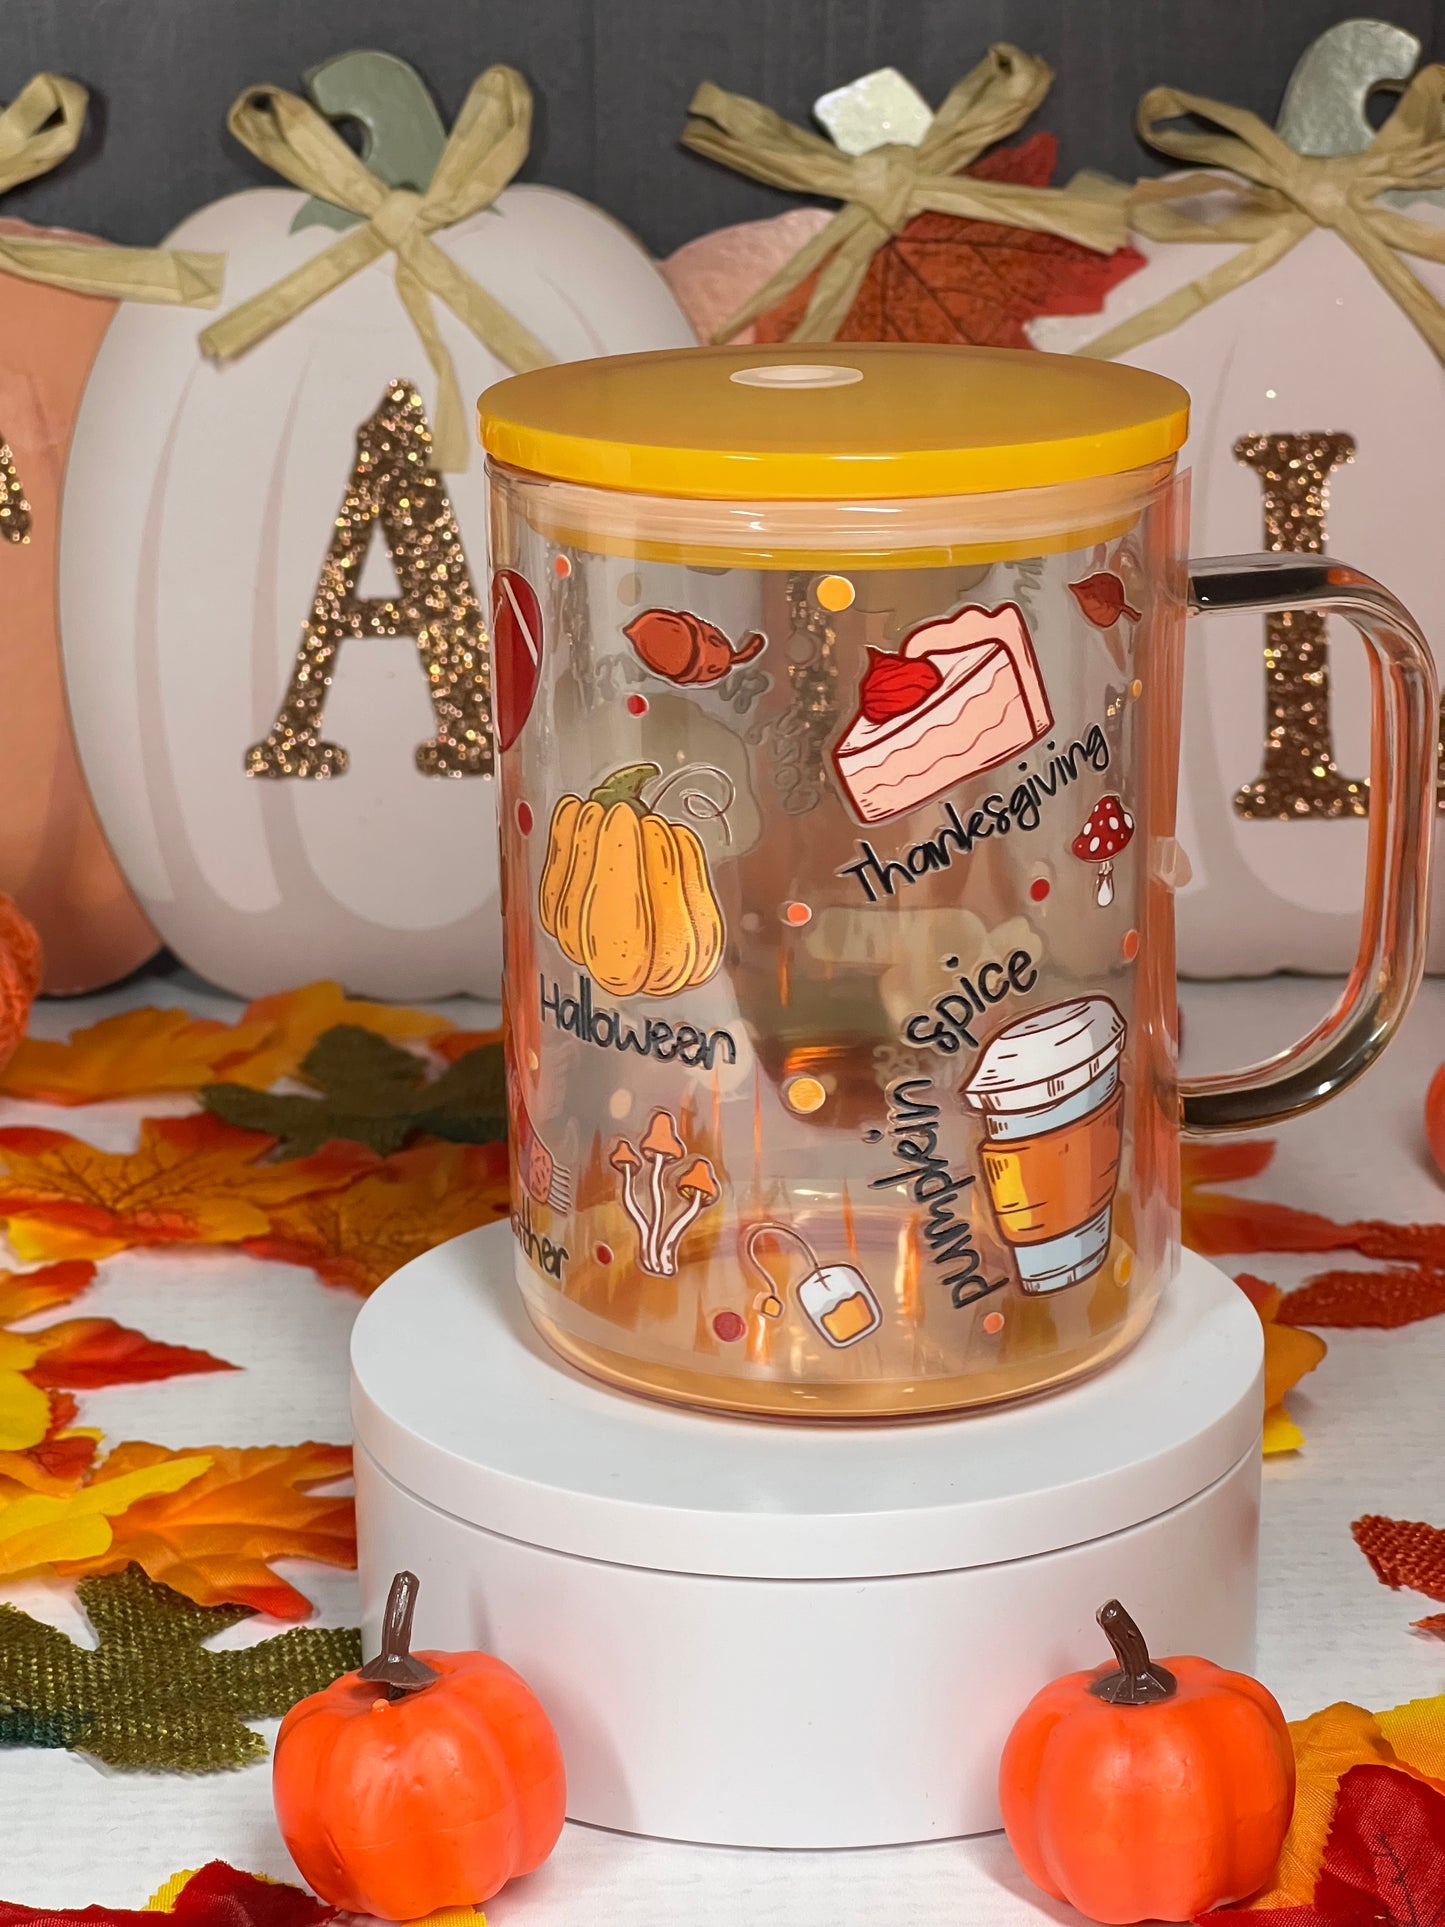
{"x":1405,"y":710}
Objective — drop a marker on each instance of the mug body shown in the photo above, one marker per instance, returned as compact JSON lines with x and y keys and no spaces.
{"x":838,"y":857}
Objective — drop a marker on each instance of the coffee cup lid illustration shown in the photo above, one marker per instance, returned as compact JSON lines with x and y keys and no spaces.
{"x":1047,"y":1055}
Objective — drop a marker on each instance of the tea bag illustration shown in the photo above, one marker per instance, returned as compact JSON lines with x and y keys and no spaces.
{"x":1048,"y":1086}
{"x":837,"y":1298}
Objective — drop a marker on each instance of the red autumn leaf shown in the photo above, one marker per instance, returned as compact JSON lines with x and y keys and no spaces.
{"x":1403,"y":1552}
{"x":1217,"y":1222}
{"x":23,"y":1293}
{"x":1101,"y":598}
{"x":943,"y":278}
{"x":1433,"y":1623}
{"x":1435,"y":1118}
{"x":217,"y":1896}
{"x":1384,"y":1860}
{"x":87,"y":1353}
{"x":1384,"y":1300}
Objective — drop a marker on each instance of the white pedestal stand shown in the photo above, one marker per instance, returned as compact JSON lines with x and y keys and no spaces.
{"x":794,"y":1636}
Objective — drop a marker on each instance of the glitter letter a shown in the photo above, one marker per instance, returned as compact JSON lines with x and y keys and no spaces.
{"x":14,"y":509}
{"x":393,"y":483}
{"x":1298,"y":778}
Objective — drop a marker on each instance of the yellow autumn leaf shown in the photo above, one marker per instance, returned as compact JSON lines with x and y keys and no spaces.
{"x":135,"y":1053}
{"x":37,"y":1530}
{"x":296,"y":1018}
{"x":1416,"y":1730}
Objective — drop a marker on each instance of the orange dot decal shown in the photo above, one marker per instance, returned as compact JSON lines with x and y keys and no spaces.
{"x":993,"y":1322}
{"x":797,"y":914}
{"x":561,"y":567}
{"x":805,"y":1094}
{"x":1130,"y":945}
{"x":835,"y":592}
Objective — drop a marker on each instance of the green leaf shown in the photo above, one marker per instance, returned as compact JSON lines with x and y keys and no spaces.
{"x":374,"y":1093}
{"x":151,"y":1694}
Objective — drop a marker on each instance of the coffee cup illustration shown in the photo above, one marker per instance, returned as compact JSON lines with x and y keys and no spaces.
{"x":837,"y":1299}
{"x":1048,"y":1088}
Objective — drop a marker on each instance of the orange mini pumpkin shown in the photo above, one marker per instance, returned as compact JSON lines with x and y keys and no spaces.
{"x":1148,"y":1791}
{"x":422,"y":1781}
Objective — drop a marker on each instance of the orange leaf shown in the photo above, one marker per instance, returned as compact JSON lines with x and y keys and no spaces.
{"x":1432,"y":1623}
{"x":23,"y":1293}
{"x":1217,"y":1222}
{"x":410,"y":1202}
{"x":1435,"y":1118}
{"x":1382,"y":1299}
{"x":213,"y":1539}
{"x":1288,"y":1355}
{"x":137,"y":1053}
{"x":192,"y":1180}
{"x":298,"y":1017}
{"x":59,"y":1463}
{"x":85,"y":1353}
{"x":1326,"y":1746}
{"x":462,"y":1042}
{"x":1403,"y":1552}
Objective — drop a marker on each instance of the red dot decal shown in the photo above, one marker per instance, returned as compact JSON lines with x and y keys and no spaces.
{"x":1039,"y":889}
{"x":603,"y":1254}
{"x":524,"y":818}
{"x":1131,"y":945}
{"x":728,"y":1326}
{"x":637,"y":705}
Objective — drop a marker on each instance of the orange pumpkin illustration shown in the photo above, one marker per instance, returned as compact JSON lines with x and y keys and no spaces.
{"x":422,"y":1781}
{"x":626,"y":893}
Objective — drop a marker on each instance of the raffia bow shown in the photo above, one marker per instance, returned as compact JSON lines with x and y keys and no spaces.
{"x":884,"y":189}
{"x":1282,"y":196}
{"x":38,"y":130}
{"x":486,"y":146}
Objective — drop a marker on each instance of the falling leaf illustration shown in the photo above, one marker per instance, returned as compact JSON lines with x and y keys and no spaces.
{"x":1288,"y":1355}
{"x":150,"y":1694}
{"x":137,"y":1053}
{"x":213,"y":1538}
{"x":1384,"y":1299}
{"x":39,"y":1529}
{"x":216,"y":1896}
{"x":945,"y":278}
{"x":374,"y":1093}
{"x":1102,"y":600}
{"x":192,"y":1180}
{"x":416,"y":1199}
{"x":300,"y":1017}
{"x":1403,"y":1552}
{"x":1383,"y":1863}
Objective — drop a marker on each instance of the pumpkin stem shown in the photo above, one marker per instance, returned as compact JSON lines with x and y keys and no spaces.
{"x":626,"y":786}
{"x":1138,"y":1681}
{"x":394,"y":1668}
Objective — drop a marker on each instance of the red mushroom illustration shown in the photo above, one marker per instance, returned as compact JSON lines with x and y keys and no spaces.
{"x":1106,"y":833}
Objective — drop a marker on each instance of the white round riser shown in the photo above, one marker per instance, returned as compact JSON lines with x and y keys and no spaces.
{"x":804,"y":1712}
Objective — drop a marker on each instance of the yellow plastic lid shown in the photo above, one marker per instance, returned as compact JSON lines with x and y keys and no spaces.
{"x":845,"y":421}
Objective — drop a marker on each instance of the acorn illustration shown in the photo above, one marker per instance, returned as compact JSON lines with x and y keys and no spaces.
{"x":683,"y":648}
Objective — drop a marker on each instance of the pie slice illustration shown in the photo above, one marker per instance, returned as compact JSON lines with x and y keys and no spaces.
{"x":962,"y":694}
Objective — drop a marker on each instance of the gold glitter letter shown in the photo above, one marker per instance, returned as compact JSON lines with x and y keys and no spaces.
{"x":1298,"y":777}
{"x":393,"y":483}
{"x":14,"y":509}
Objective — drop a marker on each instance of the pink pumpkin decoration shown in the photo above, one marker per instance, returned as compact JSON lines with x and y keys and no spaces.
{"x":54,"y":861}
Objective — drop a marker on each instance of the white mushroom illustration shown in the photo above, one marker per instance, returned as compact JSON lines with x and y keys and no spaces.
{"x":626,"y":1161}
{"x":698,"y":1185}
{"x":1106,"y":833}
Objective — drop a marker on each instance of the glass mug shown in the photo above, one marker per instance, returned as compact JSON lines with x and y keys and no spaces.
{"x":837,"y":702}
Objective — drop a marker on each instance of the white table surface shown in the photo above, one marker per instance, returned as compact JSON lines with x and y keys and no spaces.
{"x":72,"y":1832}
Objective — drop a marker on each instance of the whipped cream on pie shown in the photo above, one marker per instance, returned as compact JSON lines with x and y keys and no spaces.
{"x":983,"y":703}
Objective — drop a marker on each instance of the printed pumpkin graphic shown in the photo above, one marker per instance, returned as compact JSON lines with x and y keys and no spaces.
{"x":626,"y":893}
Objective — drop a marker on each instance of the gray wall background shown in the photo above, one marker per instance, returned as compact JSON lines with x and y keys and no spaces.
{"x":613,"y":78}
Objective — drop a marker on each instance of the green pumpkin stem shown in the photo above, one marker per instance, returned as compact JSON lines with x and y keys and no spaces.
{"x":1138,"y":1681}
{"x":394,"y":1669}
{"x":626,"y":786}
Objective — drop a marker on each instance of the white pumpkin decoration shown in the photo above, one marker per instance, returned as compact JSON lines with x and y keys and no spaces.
{"x":1312,"y":347}
{"x":199,"y":507}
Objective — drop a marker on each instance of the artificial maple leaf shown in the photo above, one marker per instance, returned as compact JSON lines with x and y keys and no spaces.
{"x":137,"y":1053}
{"x":1432,"y":1623}
{"x":1215,"y":1223}
{"x":374,"y":1093}
{"x":84,"y":1354}
{"x":192,"y":1180}
{"x":1416,"y":1731}
{"x":1384,"y":1300}
{"x":24,"y":1293}
{"x":1383,"y":1863}
{"x":213,"y":1539}
{"x":216,"y":1896}
{"x":1403,"y":1552}
{"x":41,"y":1528}
{"x":1288,"y":1355}
{"x":418,"y":1198}
{"x":58,"y":1464}
{"x":944,"y":278}
{"x":150,"y":1694}
{"x":1435,"y":1118}
{"x":299,"y":1017}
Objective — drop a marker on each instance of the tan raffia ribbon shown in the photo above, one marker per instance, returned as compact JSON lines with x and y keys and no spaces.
{"x":486,"y":146}
{"x":884,"y":189}
{"x":38,"y":130}
{"x":1282,"y":196}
